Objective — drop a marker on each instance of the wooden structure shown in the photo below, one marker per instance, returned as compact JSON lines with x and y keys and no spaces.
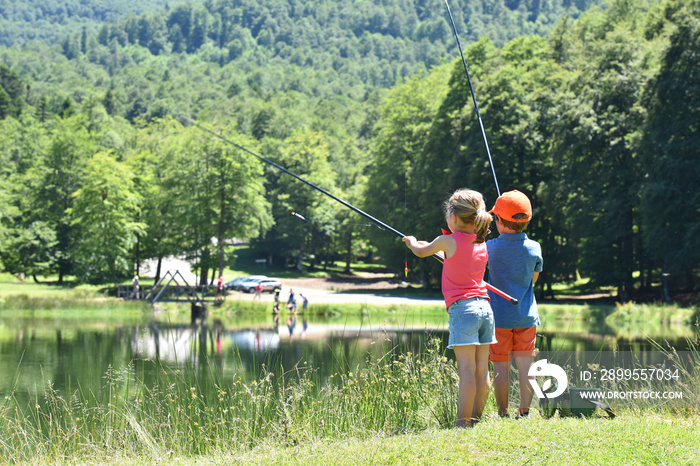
{"x":173,"y":288}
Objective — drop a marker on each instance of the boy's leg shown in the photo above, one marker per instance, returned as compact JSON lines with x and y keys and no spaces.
{"x":466,"y":368}
{"x":501,"y":385}
{"x":523,"y":364}
{"x":483,"y":384}
{"x":524,"y":355}
{"x":500,"y":357}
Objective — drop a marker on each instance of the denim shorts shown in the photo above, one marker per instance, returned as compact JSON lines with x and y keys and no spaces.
{"x":471,"y":323}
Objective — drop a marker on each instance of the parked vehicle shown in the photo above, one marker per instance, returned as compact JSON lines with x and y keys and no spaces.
{"x":233,"y":284}
{"x":240,"y":281}
{"x":268,"y":284}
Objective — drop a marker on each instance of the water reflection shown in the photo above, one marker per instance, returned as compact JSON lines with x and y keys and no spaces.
{"x":75,"y":353}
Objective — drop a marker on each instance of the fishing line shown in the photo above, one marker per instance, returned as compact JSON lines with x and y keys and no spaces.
{"x":476,"y":106}
{"x":345,"y":203}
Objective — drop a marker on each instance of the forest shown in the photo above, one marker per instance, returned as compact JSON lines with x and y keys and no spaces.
{"x":591,"y":110}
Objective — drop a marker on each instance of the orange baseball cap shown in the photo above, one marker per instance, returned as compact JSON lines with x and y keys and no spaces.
{"x":513,"y":206}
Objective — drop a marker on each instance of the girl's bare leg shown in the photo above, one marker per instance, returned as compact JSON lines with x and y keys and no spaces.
{"x":466,"y":368}
{"x":483,"y":382}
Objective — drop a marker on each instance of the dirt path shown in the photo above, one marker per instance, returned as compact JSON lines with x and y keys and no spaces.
{"x":335,"y":290}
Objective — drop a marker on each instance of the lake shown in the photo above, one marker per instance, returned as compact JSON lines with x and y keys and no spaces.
{"x":74,"y":350}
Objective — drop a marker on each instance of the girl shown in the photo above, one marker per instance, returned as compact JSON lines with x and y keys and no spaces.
{"x":471,"y":320}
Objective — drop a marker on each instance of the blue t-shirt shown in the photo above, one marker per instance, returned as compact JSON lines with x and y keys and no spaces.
{"x":513,"y":258}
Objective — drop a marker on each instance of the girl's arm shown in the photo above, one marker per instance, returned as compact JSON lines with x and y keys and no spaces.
{"x":442,"y":243}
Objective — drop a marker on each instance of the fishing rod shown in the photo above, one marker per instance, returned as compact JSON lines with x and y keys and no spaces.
{"x":336,"y":198}
{"x":476,"y":106}
{"x":301,"y":217}
{"x":279,"y":167}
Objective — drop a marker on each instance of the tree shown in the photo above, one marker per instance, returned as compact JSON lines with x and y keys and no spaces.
{"x":105,"y":209}
{"x":594,"y":150}
{"x":11,"y":92}
{"x":199,"y":188}
{"x":670,"y":149}
{"x":306,"y":154}
{"x":394,"y":184}
{"x":26,"y":240}
{"x":58,"y":175}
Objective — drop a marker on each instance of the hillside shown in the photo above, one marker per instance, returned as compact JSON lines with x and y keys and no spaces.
{"x":247,"y":58}
{"x":48,"y":20}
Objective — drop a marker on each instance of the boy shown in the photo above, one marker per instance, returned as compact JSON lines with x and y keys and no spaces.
{"x":514,"y":264}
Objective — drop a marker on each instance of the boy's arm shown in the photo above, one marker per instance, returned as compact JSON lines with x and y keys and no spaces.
{"x":535,"y":276}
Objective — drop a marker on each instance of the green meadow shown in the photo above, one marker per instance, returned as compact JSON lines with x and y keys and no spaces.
{"x":397,"y":408}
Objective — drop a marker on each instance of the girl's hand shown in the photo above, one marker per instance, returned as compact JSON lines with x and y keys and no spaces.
{"x":409,"y":240}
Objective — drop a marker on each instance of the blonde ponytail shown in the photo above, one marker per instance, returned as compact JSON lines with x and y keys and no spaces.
{"x":482,"y":220}
{"x":469,"y":207}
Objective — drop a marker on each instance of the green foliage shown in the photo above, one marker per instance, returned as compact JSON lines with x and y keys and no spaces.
{"x":104,"y":210}
{"x":589,"y":123}
{"x":669,"y":146}
{"x":395,"y":183}
{"x":11,"y":92}
{"x":49,"y":20}
{"x":567,"y":121}
{"x":305,"y":153}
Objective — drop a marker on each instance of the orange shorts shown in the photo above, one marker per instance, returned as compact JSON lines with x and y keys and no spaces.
{"x":513,"y":342}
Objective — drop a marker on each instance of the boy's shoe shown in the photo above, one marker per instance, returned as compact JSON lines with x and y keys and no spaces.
{"x":522,"y":416}
{"x":504,"y":416}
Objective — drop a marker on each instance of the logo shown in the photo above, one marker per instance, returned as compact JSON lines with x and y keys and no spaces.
{"x":544,"y":369}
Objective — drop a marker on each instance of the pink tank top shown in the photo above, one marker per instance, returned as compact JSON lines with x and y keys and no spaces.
{"x":463,"y":273}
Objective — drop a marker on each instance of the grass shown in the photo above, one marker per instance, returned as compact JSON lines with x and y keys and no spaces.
{"x":398,"y":409}
{"x":629,"y":440}
{"x":652,"y":314}
{"x":321,"y":309}
{"x":46,"y":297}
{"x":245,"y":265}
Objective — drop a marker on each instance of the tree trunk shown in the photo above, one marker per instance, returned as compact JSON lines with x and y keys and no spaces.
{"x":664,"y":280}
{"x":689,"y":279}
{"x":204,"y":264}
{"x":222,"y":224}
{"x":138,"y":253}
{"x":348,"y":256}
{"x":160,"y":263}
{"x":301,"y":256}
{"x":425,"y":283}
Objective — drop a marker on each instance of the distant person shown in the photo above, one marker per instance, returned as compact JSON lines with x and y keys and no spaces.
{"x":135,"y":294}
{"x":515,"y":262}
{"x":258,"y":290}
{"x":276,"y":308}
{"x":277,"y":295}
{"x":471,"y":323}
{"x":305,"y":302}
{"x":219,"y":287}
{"x":290,"y":300}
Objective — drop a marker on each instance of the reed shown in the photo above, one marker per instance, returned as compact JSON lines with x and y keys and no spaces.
{"x":190,"y":413}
